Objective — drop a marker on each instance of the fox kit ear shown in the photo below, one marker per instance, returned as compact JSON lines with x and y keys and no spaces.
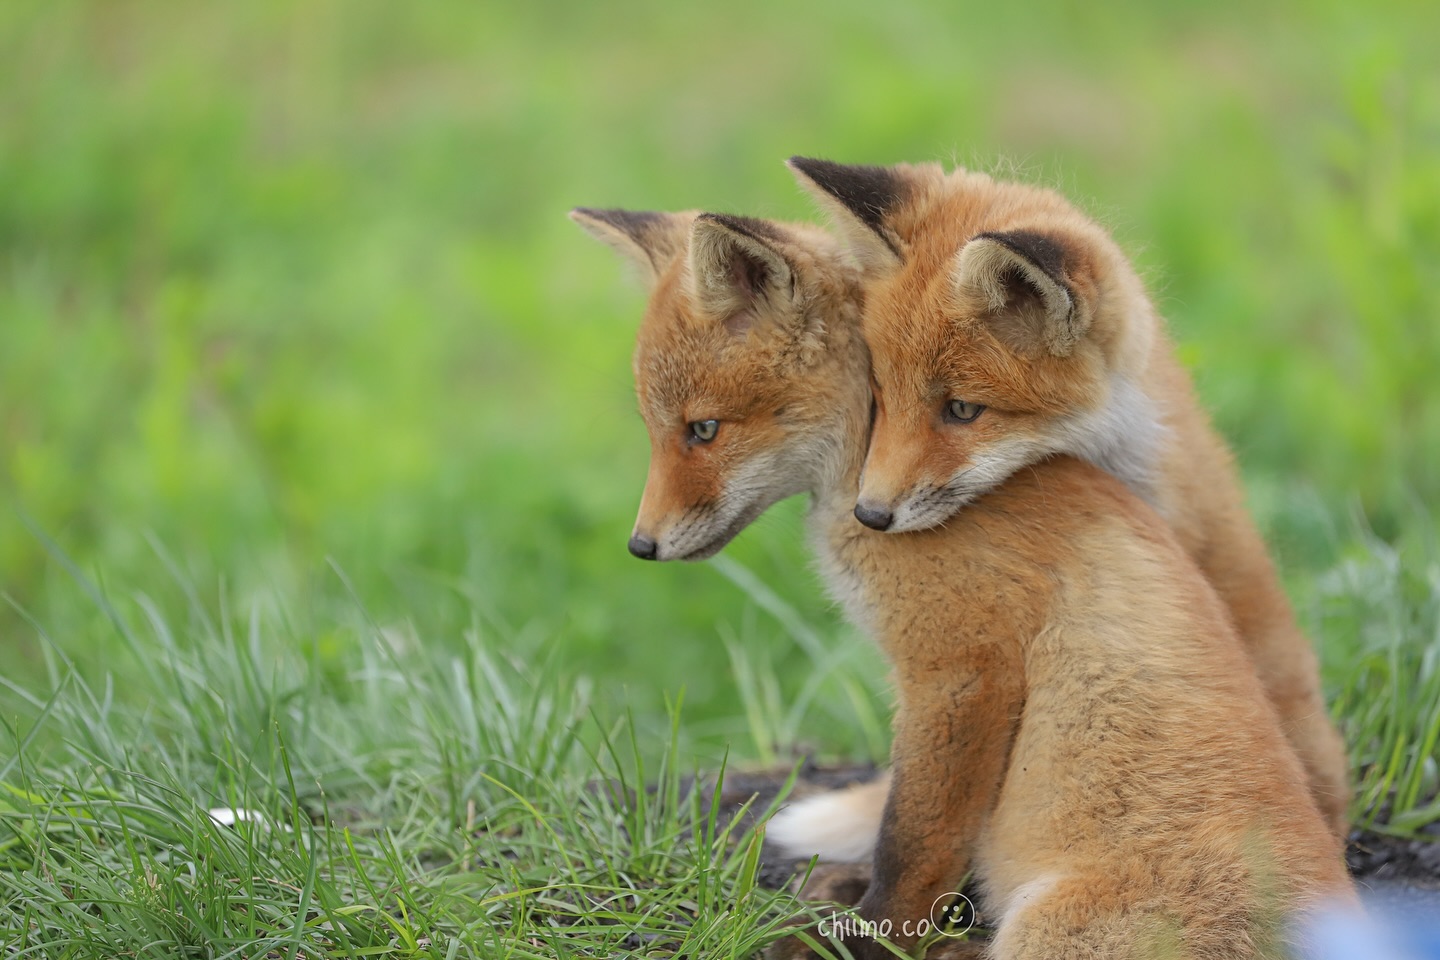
{"x":1018,"y":280}
{"x":649,"y":240}
{"x":859,"y":198}
{"x":736,"y":267}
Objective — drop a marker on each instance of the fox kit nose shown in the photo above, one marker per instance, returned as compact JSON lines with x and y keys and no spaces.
{"x":875,"y":519}
{"x":643,"y":547}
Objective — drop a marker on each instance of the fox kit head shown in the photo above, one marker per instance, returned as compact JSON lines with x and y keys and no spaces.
{"x":746,"y":368}
{"x":1004,"y":327}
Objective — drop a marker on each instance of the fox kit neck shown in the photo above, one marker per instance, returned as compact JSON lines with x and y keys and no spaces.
{"x":1123,"y":436}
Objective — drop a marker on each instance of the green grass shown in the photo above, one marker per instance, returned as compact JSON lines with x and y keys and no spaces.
{"x":434,"y":800}
{"x":317,"y":435}
{"x":466,"y":793}
{"x":1379,"y":610}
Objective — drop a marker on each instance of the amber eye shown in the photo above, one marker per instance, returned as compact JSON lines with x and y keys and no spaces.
{"x":963,"y":411}
{"x":703,"y":431}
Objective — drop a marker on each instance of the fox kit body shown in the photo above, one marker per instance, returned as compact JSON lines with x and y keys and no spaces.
{"x":1075,"y":717}
{"x":1005,"y":298}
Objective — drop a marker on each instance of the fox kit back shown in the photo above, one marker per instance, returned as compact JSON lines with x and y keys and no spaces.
{"x":1026,"y":333}
{"x":1150,"y":806}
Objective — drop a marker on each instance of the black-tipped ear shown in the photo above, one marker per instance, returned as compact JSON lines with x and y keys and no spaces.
{"x":1019,"y":282}
{"x":736,"y":267}
{"x":650,"y":240}
{"x":861,"y":196}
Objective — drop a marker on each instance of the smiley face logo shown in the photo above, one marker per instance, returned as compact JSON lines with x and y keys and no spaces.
{"x":952,"y":914}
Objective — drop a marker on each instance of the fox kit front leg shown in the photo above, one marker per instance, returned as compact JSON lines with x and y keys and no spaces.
{"x":953,"y":731}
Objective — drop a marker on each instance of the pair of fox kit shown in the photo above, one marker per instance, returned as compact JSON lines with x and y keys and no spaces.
{"x":1105,"y":708}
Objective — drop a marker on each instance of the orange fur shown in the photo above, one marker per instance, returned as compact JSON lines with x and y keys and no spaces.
{"x":1076,"y":718}
{"x":1100,"y":382}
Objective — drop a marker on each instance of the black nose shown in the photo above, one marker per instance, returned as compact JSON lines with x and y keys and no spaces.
{"x":872,"y":518}
{"x":642,"y":547}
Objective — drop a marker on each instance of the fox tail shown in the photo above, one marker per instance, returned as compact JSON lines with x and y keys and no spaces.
{"x":840,"y":826}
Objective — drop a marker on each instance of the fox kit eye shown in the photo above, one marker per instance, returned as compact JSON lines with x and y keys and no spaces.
{"x":962,"y":411}
{"x":703,"y":431}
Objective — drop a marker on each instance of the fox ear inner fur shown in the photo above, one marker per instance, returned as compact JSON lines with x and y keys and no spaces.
{"x":1016,"y":281}
{"x":649,"y":240}
{"x":737,"y":268}
{"x":860,"y":199}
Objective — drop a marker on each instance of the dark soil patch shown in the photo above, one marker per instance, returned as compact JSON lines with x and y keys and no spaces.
{"x":1376,"y":858}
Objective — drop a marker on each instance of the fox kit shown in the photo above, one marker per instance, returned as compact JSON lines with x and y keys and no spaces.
{"x":1075,"y":719}
{"x":1028,"y":334}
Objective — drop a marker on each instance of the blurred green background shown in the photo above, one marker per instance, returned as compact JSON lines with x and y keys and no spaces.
{"x":291,"y":314}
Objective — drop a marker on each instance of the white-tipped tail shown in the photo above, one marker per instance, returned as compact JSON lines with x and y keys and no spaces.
{"x":839,"y":827}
